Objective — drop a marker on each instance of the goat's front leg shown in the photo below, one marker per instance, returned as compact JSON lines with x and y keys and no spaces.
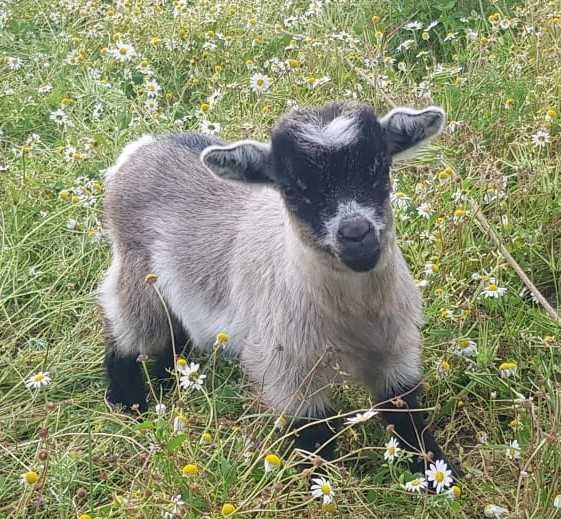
{"x":400,"y":409}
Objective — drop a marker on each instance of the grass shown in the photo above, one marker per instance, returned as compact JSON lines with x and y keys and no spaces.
{"x":493,"y":66}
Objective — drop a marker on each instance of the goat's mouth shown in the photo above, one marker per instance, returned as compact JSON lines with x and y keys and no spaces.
{"x":360,"y":259}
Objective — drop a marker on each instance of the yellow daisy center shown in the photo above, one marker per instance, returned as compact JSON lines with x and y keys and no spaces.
{"x":31,"y":477}
{"x":492,"y":287}
{"x":508,"y":365}
{"x":325,"y":489}
{"x":39,"y":377}
{"x":222,"y":337}
{"x":439,"y":476}
{"x":260,"y":82}
{"x":273,"y":459}
{"x":228,"y":508}
{"x":190,"y":470}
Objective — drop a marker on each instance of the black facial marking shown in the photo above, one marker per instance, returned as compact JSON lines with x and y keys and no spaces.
{"x":314,"y":178}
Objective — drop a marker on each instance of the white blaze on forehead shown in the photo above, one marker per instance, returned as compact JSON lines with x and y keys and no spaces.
{"x":341,"y":131}
{"x":349,"y":209}
{"x":128,"y":151}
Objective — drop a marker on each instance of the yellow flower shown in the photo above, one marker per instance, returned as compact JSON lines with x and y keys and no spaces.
{"x":507,"y":369}
{"x":460,"y":212}
{"x":375,"y":19}
{"x":85,"y":516}
{"x":228,"y":509}
{"x":205,"y":107}
{"x":272,"y":462}
{"x":151,"y":278}
{"x":29,"y":478}
{"x":444,"y":365}
{"x":329,"y":507}
{"x":75,"y":199}
{"x":155,"y":40}
{"x":190,"y":470}
{"x":293,"y":63}
{"x":494,"y":18}
{"x":551,"y":113}
{"x":446,"y":173}
{"x":181,"y":363}
{"x":65,"y":195}
{"x":221,"y":338}
{"x":206,"y":437}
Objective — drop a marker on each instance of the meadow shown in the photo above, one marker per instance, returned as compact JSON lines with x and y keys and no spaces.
{"x":81,"y":78}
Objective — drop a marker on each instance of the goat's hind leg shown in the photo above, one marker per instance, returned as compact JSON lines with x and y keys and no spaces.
{"x":135,"y":324}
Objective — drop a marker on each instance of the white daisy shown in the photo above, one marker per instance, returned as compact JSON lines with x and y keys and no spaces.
{"x":272,"y":462}
{"x":179,"y":423}
{"x":361,"y":417}
{"x":557,"y":502}
{"x":541,"y":138}
{"x":400,"y":200}
{"x":439,"y":475}
{"x":413,"y":26}
{"x":322,"y":489}
{"x":14,"y":63}
{"x":492,"y":290}
{"x":508,"y":369}
{"x":39,"y":380}
{"x":210,"y":128}
{"x":260,"y":83}
{"x":466,"y":347}
{"x":192,"y":377}
{"x":152,"y":88}
{"x":495,"y":511}
{"x":60,"y":117}
{"x":424,"y":210}
{"x":161,"y":409}
{"x":123,"y":52}
{"x":415,"y":485}
{"x":513,"y":450}
{"x":392,"y":449}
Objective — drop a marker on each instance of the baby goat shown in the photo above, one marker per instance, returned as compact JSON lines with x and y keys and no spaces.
{"x":289,"y":246}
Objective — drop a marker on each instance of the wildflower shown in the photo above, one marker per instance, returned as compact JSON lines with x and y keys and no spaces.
{"x":60,"y":117}
{"x":424,"y":210}
{"x":191,"y":377}
{"x":541,"y":138}
{"x":84,"y":516}
{"x":431,"y":268}
{"x":516,"y":424}
{"x":272,"y":462}
{"x":210,"y":128}
{"x":329,"y":507}
{"x":322,"y":489}
{"x":493,"y":291}
{"x":508,"y":369}
{"x":29,"y":478}
{"x":228,"y":509}
{"x":150,"y":278}
{"x":221,"y":339}
{"x":122,"y":52}
{"x":161,"y":409}
{"x":206,"y":437}
{"x":400,"y":199}
{"x":190,"y":470}
{"x":151,"y":105}
{"x":445,"y":174}
{"x":392,"y":449}
{"x":466,"y":347}
{"x":454,"y":492}
{"x":280,"y":423}
{"x":459,"y":214}
{"x":361,"y":417}
{"x":181,"y":365}
{"x":495,"y":511}
{"x":179,"y":423}
{"x":439,"y":475}
{"x":39,"y":380}
{"x":550,"y":114}
{"x":152,"y":88}
{"x":513,"y":450}
{"x":557,"y":502}
{"x":14,"y":63}
{"x":443,"y":367}
{"x":260,"y":83}
{"x":415,"y":485}
{"x":413,"y":26}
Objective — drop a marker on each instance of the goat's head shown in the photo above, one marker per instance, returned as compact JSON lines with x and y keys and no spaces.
{"x":331,"y":166}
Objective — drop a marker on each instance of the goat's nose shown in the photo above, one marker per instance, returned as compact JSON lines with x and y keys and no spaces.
{"x":354,"y":229}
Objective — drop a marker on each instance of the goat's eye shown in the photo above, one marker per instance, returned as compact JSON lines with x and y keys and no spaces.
{"x":290,"y":192}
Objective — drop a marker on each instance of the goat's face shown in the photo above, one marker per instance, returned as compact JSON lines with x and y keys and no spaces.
{"x":331,"y":166}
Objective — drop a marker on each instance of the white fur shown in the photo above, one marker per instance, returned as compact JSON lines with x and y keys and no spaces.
{"x":340,"y":132}
{"x":128,"y":151}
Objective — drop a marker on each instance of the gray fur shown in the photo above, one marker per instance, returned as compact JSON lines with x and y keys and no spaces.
{"x":230,"y":257}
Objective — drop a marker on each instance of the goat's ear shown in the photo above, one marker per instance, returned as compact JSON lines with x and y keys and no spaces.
{"x":242,"y":161}
{"x":407,"y":129}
